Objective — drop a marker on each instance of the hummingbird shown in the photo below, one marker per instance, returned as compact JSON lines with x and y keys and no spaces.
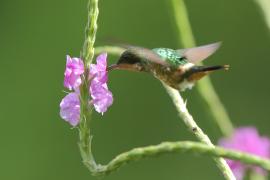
{"x":178,"y":69}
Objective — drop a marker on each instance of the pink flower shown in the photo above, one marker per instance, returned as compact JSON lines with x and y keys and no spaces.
{"x":73,"y":72}
{"x":246,"y":139}
{"x":101,"y":96}
{"x":70,"y":108}
{"x":99,"y":71}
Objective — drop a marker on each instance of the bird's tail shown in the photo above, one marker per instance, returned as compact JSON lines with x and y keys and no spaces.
{"x":197,"y":72}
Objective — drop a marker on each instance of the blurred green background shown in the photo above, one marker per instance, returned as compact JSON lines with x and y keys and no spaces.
{"x":35,"y":37}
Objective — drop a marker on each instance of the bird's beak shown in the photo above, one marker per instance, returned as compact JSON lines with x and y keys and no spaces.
{"x":112,"y":67}
{"x":130,"y":67}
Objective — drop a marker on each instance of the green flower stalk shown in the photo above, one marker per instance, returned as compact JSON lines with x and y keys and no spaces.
{"x":87,"y":54}
{"x":140,"y":153}
{"x":196,"y":130}
{"x":90,"y":32}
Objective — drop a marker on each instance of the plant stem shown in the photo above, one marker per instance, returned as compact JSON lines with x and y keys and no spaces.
{"x":204,"y":86}
{"x":196,"y":130}
{"x":85,"y":117}
{"x":178,"y":147}
{"x":182,"y":23}
{"x":90,"y":32}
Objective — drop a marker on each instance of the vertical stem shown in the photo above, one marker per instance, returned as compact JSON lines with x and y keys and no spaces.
{"x":87,"y":55}
{"x":90,"y":32}
{"x":196,"y":130}
{"x":204,"y":86}
{"x":182,"y":22}
{"x":85,"y":138}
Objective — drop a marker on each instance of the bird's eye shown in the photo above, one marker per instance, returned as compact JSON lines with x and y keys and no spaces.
{"x":182,"y":58}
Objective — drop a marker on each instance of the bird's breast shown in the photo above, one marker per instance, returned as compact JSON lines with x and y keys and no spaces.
{"x":172,"y":76}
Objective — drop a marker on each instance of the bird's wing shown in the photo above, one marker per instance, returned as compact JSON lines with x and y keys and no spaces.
{"x":198,"y":54}
{"x":147,"y":54}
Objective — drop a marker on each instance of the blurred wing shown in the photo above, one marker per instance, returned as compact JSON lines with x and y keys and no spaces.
{"x":147,"y":54}
{"x":198,"y":54}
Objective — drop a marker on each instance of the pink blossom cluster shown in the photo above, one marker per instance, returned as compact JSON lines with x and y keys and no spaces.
{"x":101,"y":96}
{"x":246,"y":139}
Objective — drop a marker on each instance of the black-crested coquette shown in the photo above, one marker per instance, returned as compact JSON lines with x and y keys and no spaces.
{"x":176,"y":68}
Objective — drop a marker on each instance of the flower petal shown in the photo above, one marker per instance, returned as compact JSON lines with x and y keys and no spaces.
{"x":73,"y":72}
{"x":101,"y":96}
{"x":70,"y":108}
